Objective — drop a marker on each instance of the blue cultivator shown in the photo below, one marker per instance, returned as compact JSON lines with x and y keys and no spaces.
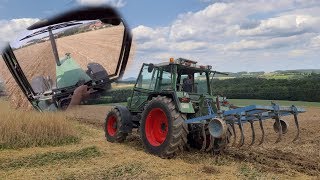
{"x":225,"y":120}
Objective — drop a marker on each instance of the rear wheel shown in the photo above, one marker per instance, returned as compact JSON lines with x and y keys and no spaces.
{"x":163,"y":131}
{"x":112,"y":127}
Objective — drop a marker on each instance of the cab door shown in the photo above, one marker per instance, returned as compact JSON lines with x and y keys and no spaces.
{"x":145,"y":84}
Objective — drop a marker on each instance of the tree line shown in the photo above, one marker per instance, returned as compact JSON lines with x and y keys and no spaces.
{"x":306,"y":88}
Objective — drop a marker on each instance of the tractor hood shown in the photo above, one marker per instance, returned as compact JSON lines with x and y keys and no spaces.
{"x":87,"y":40}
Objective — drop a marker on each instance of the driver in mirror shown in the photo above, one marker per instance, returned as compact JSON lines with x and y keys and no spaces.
{"x":80,"y":93}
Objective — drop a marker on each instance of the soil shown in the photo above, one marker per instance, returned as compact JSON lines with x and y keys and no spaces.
{"x":285,"y":157}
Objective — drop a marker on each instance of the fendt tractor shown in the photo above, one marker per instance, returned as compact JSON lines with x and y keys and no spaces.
{"x":173,"y":107}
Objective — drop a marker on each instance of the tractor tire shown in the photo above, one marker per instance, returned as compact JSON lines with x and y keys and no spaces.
{"x":112,"y":126}
{"x":162,"y":128}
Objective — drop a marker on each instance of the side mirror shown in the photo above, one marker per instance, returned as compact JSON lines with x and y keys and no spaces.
{"x":90,"y":45}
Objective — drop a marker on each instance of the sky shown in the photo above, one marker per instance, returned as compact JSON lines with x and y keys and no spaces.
{"x":230,"y":35}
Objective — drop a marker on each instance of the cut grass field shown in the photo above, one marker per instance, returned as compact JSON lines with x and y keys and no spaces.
{"x":95,"y":158}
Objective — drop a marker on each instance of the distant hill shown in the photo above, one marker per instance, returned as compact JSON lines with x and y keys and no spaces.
{"x":279,"y":74}
{"x":299,"y":71}
{"x":128,"y":79}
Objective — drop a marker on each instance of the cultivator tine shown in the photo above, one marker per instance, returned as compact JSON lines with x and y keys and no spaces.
{"x":297,"y":125}
{"x":234,"y":133}
{"x":210,"y":147}
{"x":295,"y":115}
{"x":276,"y":109}
{"x":204,"y":144}
{"x":253,"y":133}
{"x":279,"y":129}
{"x":262,"y":131}
{"x":241,"y":131}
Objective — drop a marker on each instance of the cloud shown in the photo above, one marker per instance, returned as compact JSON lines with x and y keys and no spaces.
{"x":287,"y":25}
{"x":315,"y":42}
{"x":11,"y":28}
{"x":115,"y":3}
{"x":253,"y":35}
{"x":144,"y":33}
{"x":298,"y":52}
{"x":265,"y":44}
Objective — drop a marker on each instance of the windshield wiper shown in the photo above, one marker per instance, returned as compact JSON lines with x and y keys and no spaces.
{"x":51,"y":27}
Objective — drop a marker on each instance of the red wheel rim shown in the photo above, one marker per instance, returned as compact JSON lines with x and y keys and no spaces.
{"x":112,"y":125}
{"x":156,"y":127}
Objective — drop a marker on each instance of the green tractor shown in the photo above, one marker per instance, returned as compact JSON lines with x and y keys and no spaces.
{"x":161,"y":102}
{"x":173,"y":107}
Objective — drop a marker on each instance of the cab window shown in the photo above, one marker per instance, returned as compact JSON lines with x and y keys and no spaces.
{"x":193,"y":83}
{"x":147,"y":78}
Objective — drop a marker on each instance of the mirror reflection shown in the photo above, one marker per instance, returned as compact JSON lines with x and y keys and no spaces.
{"x":67,"y":55}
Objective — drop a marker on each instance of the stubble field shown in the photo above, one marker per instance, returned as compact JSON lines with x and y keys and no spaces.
{"x":95,"y":158}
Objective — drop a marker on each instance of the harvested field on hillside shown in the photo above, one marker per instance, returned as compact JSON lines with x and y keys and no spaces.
{"x":100,"y":46}
{"x":95,"y":158}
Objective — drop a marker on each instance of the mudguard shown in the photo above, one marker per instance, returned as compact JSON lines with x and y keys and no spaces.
{"x":126,"y":119}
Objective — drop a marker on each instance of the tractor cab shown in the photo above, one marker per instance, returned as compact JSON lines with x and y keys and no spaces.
{"x":181,"y":79}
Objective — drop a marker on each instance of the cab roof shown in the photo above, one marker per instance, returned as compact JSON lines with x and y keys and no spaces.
{"x":188,"y":66}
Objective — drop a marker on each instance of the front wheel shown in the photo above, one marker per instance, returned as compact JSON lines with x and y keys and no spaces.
{"x":162,"y":130}
{"x":112,"y":126}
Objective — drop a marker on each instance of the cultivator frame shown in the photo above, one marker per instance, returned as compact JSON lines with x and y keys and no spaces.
{"x":218,"y":122}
